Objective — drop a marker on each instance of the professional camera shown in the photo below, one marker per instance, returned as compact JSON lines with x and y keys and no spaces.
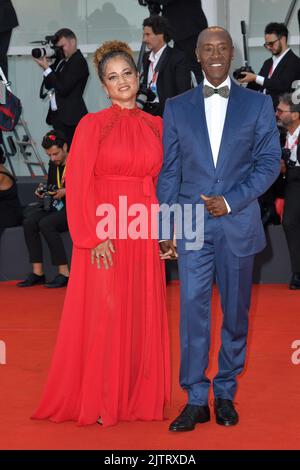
{"x":154,"y":8}
{"x":239,"y":73}
{"x":144,"y":96}
{"x":286,"y":157}
{"x":47,"y":192}
{"x":50,"y":50}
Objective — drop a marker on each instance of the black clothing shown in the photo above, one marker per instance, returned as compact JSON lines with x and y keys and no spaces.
{"x":32,"y":280}
{"x":10,"y":207}
{"x":68,"y":131}
{"x":187,"y":20}
{"x":52,"y":174}
{"x":8,"y":17}
{"x":50,"y":224}
{"x":188,"y":47}
{"x":59,"y":281}
{"x":186,"y":17}
{"x":68,"y":83}
{"x":173,"y":76}
{"x":8,"y":21}
{"x":291,"y":216}
{"x":286,"y":72}
{"x":4,"y":45}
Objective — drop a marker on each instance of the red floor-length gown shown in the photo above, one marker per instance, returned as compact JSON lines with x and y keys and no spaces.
{"x":112,"y":353}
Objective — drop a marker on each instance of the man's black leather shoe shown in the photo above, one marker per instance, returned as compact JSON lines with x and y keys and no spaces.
{"x":189,"y":417}
{"x":32,"y":280}
{"x":225,"y":412}
{"x":295,"y":282}
{"x":59,"y":281}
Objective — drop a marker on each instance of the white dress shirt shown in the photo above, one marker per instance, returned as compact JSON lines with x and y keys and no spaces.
{"x":292,"y":144}
{"x":154,"y":58}
{"x":51,"y":93}
{"x":215,"y":112}
{"x":276,"y":60}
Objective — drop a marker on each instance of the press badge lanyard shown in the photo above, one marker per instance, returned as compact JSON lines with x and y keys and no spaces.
{"x":61,"y":181}
{"x":294,"y":144}
{"x":152,"y":84}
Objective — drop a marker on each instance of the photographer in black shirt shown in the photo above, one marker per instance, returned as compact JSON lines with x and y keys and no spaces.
{"x":49,"y":217}
{"x":65,"y":81}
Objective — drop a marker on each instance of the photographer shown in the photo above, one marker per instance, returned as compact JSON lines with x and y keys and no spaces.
{"x":288,"y":116}
{"x":280,"y":71}
{"x":65,"y":81}
{"x":165,"y":71}
{"x":187,"y":20}
{"x":49,"y":217}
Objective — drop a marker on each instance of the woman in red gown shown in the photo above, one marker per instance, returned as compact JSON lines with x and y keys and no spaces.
{"x":111,"y":361}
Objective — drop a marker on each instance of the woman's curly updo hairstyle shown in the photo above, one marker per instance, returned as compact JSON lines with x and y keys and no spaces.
{"x":111,"y":50}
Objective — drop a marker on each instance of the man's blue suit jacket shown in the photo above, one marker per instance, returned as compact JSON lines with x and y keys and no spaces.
{"x":247,"y":165}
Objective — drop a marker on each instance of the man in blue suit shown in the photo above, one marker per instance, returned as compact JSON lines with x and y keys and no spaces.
{"x":221,"y":150}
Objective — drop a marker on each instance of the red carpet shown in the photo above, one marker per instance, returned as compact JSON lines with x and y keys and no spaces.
{"x":268,"y":400}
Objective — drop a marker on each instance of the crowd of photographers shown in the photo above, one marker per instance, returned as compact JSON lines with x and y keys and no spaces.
{"x":278,"y":77}
{"x":166,"y":73}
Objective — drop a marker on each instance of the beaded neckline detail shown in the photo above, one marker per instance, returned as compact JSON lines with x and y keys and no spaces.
{"x":120,"y":110}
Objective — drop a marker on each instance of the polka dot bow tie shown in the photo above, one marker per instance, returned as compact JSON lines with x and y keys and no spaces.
{"x":209,"y":91}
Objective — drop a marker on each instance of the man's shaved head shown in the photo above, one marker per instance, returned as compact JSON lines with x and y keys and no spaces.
{"x":206,"y":33}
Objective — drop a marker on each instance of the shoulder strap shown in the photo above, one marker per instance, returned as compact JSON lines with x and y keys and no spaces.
{"x":7,"y":174}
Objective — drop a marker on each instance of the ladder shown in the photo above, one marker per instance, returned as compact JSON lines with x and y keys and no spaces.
{"x":22,"y":140}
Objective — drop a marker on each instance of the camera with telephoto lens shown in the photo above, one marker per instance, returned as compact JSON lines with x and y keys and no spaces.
{"x":49,"y":49}
{"x":47,"y":191}
{"x":144,"y":96}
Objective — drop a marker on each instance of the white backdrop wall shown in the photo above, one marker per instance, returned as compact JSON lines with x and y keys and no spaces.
{"x":97,"y":20}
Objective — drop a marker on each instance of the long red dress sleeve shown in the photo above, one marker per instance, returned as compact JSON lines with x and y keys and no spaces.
{"x":80,"y":176}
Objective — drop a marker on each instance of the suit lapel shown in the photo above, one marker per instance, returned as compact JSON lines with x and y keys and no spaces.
{"x":160,"y":66}
{"x":282,"y":65}
{"x":231,"y":125}
{"x":198,"y":124}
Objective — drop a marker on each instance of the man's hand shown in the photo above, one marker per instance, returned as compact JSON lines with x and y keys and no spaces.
{"x":248,"y":77}
{"x":103,"y":253}
{"x":39,"y":194}
{"x":167,"y":250}
{"x":215,"y":205}
{"x":60,"y":194}
{"x":43,"y":62}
